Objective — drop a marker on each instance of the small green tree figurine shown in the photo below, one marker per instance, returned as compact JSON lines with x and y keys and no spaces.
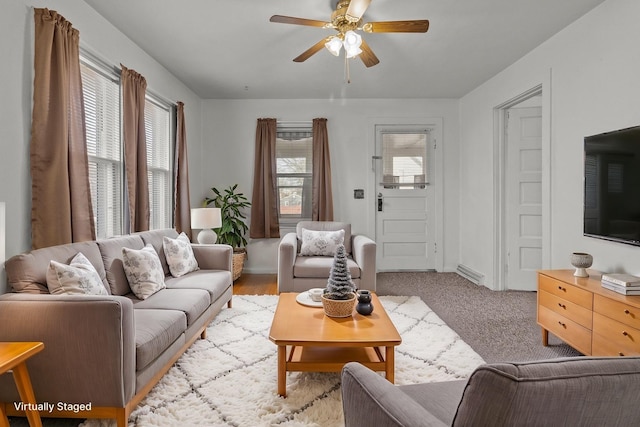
{"x":340,"y":286}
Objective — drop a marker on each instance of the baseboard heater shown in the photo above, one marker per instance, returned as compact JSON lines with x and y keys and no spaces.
{"x":470,"y":274}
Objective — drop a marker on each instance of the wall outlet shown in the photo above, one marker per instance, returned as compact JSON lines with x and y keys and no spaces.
{"x":358,"y":193}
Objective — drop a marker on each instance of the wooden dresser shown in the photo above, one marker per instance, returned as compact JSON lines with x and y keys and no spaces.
{"x":593,"y":320}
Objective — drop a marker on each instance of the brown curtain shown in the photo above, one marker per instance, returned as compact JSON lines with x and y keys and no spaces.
{"x":135,"y":149}
{"x":182,"y":212}
{"x":322,"y":208}
{"x":264,"y":203}
{"x":61,"y":210}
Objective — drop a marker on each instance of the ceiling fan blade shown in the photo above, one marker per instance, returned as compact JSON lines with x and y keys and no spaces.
{"x":311,"y":51}
{"x":299,"y":21}
{"x":417,"y":26}
{"x":356,"y":9}
{"x":367,"y":56}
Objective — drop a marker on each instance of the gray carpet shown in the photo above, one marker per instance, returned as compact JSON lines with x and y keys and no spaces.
{"x":500,"y":326}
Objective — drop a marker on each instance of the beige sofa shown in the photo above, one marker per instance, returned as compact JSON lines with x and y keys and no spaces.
{"x":107,"y":352}
{"x":298,"y":273}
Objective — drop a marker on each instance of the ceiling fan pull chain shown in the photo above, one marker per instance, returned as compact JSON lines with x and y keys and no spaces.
{"x":347,"y":74}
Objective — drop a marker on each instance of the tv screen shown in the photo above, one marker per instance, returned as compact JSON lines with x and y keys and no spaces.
{"x":612,"y":186}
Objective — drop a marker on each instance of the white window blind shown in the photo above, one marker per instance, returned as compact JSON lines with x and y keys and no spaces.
{"x":294,"y":169}
{"x":102,"y":118}
{"x":157,"y":120}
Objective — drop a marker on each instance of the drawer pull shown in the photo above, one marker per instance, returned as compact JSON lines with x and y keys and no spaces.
{"x":621,"y":354}
{"x":625,"y":333}
{"x":562,"y":305}
{"x":562,"y":289}
{"x":562,"y":324}
{"x":627,"y":312}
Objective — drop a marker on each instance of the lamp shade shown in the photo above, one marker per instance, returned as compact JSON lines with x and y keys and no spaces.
{"x":352,"y":43}
{"x":205,"y":219}
{"x":334,"y":45}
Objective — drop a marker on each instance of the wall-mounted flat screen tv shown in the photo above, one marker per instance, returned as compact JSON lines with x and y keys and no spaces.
{"x":612,"y":186}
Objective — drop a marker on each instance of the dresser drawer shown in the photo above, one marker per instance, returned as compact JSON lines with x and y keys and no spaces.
{"x":565,"y":291}
{"x":623,"y":335}
{"x":568,"y":309}
{"x":572,"y":333}
{"x":617,"y":310}
{"x":602,"y":346}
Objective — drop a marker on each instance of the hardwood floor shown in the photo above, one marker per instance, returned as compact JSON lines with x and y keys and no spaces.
{"x":256,"y":284}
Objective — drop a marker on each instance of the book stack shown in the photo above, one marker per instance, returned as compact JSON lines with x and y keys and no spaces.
{"x":621,"y":283}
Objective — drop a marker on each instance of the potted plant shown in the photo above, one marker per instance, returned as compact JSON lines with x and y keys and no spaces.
{"x":232,"y":204}
{"x":339,"y":296}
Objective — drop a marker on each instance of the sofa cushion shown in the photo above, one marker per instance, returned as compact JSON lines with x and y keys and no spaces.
{"x":320,"y":267}
{"x":440,"y":399}
{"x":78,"y":278}
{"x":155,"y":239}
{"x":27,"y":272}
{"x":192,"y":302}
{"x":179,"y":255}
{"x":320,"y":243}
{"x":156,"y":330}
{"x":143,"y":271}
{"x":216,"y":282}
{"x":111,"y":251}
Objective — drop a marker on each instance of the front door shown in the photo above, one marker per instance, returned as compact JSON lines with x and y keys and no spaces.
{"x":524,"y":197}
{"x":404,"y":202}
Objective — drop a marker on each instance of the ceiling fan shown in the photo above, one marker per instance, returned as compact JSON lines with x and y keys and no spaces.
{"x":347,"y":19}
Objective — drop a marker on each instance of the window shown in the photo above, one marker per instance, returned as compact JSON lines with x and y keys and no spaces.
{"x":404,"y":160}
{"x":294,"y":166}
{"x":102,"y":117}
{"x":157,"y":120}
{"x":101,"y":91}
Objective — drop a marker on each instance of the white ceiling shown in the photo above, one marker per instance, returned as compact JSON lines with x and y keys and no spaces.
{"x":229,"y":49}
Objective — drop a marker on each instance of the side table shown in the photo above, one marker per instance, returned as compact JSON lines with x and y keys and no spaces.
{"x":14,"y":356}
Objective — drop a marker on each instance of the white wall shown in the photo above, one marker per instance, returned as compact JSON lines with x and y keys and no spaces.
{"x":228,"y":154}
{"x":16,"y":45}
{"x":594,"y":69}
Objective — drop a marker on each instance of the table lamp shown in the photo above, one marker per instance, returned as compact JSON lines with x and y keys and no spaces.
{"x":204,"y":219}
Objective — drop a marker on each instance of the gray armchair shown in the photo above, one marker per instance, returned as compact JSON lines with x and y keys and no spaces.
{"x":582,"y":391}
{"x":300,"y":273}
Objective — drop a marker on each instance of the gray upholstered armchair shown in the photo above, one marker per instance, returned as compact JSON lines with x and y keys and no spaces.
{"x":581,"y":391}
{"x":298,"y":273}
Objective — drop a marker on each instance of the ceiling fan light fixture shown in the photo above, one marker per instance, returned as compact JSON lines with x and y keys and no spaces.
{"x":333,"y":45}
{"x":352,"y":43}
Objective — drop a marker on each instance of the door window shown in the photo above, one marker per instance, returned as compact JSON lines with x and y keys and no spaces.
{"x":404,"y":160}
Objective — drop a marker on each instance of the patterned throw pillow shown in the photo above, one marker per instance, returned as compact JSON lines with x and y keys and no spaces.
{"x":320,"y":243}
{"x":179,"y":255}
{"x":78,"y":278}
{"x":143,"y":270}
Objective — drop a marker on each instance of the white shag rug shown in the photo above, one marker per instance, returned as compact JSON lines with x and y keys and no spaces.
{"x":230,"y":378}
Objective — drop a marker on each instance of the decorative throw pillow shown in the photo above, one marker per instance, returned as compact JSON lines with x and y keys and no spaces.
{"x":143,"y":270}
{"x":179,"y":255}
{"x":78,"y":278}
{"x":320,"y":243}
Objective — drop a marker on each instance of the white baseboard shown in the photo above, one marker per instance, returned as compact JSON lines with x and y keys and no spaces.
{"x":470,"y":274}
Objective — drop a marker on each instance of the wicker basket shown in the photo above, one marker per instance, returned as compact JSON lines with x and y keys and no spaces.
{"x":339,"y":307}
{"x":238,"y":263}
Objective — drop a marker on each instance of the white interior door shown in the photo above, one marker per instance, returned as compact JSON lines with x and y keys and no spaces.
{"x":523,"y":197}
{"x":405,"y":200}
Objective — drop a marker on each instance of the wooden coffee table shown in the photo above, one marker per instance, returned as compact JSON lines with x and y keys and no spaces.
{"x":310,"y":341}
